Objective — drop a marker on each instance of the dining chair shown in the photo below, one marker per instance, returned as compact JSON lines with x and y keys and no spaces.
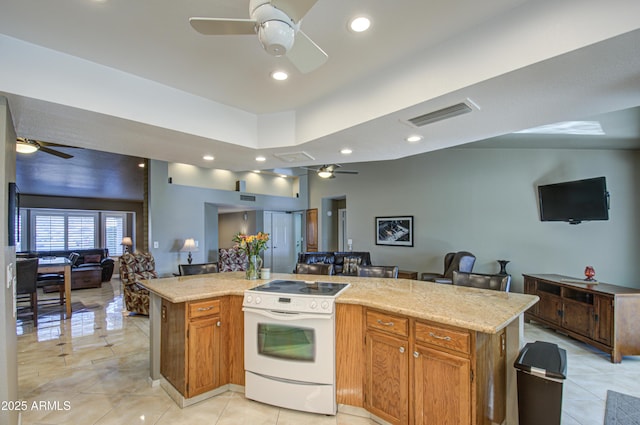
{"x":316,"y":268}
{"x":378,"y":271}
{"x":193,"y":269}
{"x":26,"y":276}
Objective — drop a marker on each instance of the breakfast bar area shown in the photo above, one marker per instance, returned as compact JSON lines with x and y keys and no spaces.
{"x":406,"y":351}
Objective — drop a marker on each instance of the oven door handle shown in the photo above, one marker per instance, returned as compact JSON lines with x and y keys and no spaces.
{"x":277,"y":315}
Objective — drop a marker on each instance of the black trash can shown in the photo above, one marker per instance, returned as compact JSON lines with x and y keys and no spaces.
{"x":542,"y":368}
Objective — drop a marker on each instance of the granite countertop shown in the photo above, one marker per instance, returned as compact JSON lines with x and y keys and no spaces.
{"x":475,"y":309}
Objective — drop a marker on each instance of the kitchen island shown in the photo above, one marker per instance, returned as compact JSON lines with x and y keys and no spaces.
{"x":469,"y":336}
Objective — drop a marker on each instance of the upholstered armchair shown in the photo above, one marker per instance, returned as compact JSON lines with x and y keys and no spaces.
{"x":134,"y":268}
{"x":462,"y":261}
{"x":232,"y":260}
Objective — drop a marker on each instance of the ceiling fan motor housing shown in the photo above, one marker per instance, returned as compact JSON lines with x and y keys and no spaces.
{"x":276,"y":31}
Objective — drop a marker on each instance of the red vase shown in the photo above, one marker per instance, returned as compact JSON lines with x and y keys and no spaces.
{"x":589,"y":272}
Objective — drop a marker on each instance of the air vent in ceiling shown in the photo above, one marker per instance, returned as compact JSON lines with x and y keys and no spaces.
{"x":294,"y":156}
{"x":248,"y":198}
{"x":441,"y":114}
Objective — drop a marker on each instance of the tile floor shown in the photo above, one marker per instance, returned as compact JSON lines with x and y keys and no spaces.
{"x":93,"y":369}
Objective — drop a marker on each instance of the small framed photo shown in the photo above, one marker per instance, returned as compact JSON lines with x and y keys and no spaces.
{"x":394,"y":231}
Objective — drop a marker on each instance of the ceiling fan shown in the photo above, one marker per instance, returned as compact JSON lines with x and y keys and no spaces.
{"x":277,"y":23}
{"x":330,"y":171}
{"x":24,"y":145}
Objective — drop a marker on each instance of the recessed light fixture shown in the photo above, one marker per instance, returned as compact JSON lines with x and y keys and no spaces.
{"x":284,"y":176}
{"x":279,"y":75}
{"x":360,"y":24}
{"x":346,"y":151}
{"x":260,"y":158}
{"x":414,"y":138}
{"x":208,"y":157}
{"x":141,"y":165}
{"x":257,"y":171}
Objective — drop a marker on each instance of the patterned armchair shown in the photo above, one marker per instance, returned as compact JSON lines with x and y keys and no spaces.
{"x":134,"y":268}
{"x":232,"y":260}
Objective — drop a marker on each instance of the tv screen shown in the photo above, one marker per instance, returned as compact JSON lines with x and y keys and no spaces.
{"x":574,"y":201}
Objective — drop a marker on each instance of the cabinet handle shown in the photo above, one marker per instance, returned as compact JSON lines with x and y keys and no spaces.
{"x":385,"y":323}
{"x":416,"y":354}
{"x":446,"y":338}
{"x":218,"y":324}
{"x":206,"y":308}
{"x":402,"y":349}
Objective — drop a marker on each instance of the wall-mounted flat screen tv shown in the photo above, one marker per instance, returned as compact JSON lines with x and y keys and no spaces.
{"x":574,"y":201}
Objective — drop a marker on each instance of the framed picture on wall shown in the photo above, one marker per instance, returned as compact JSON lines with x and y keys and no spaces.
{"x":394,"y":231}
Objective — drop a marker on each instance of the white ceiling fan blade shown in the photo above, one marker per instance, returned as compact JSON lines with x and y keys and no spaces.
{"x":305,"y":54}
{"x":222,"y":26}
{"x":295,"y":9}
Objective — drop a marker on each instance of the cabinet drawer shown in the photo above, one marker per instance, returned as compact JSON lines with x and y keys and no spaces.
{"x":388,"y":323}
{"x":443,"y":337}
{"x":206,"y":308}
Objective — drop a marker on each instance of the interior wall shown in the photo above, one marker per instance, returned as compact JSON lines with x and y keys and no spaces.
{"x":8,"y":348}
{"x":229,"y":224}
{"x":485,"y":201}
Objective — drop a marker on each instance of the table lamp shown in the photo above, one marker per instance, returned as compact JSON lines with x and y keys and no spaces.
{"x":127,"y":243}
{"x":189,"y":246}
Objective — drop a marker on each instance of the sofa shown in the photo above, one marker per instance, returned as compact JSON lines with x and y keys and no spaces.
{"x":90,"y":269}
{"x":344,"y":263}
{"x":135,"y":267}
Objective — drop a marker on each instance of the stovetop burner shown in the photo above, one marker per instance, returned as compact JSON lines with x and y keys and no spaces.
{"x":301,"y":287}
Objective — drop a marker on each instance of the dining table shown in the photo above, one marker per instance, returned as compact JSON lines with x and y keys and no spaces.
{"x":59,"y":265}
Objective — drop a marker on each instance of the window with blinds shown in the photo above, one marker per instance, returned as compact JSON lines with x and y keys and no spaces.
{"x":114,"y":225}
{"x":64,"y":230}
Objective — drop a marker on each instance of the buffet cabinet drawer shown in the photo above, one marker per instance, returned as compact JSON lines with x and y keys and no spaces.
{"x":451,"y":339}
{"x":206,"y":308}
{"x":388,"y":323}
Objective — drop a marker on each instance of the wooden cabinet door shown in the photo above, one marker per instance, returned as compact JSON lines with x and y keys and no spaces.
{"x":312,"y":230}
{"x":530,"y":288}
{"x":577,"y":317}
{"x":387,"y":377}
{"x":442,"y":388}
{"x":203,"y":363}
{"x":550,"y":308}
{"x":603,"y":319}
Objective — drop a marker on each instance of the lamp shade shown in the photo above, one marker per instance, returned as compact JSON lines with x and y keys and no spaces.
{"x":189,"y":245}
{"x":126,"y":241}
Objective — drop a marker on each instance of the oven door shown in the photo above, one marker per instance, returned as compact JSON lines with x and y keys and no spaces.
{"x":291,"y":346}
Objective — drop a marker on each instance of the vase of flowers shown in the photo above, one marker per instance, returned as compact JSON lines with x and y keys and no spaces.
{"x":252,"y":245}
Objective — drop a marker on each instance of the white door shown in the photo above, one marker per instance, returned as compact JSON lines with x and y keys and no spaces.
{"x":280,"y":256}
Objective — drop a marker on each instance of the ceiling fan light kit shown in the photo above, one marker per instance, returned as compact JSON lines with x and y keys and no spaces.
{"x":26,"y":146}
{"x":277,"y":23}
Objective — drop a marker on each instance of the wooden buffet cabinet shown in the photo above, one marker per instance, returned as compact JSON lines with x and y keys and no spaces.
{"x":602,"y":315}
{"x":418,"y":372}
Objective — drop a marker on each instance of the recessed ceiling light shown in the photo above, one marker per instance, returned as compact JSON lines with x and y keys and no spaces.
{"x":279,"y":75}
{"x":414,"y":138}
{"x":208,"y":158}
{"x":284,"y":176}
{"x":141,"y":165}
{"x":346,"y":151}
{"x":359,"y":24}
{"x":260,"y":158}
{"x":256,"y":171}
